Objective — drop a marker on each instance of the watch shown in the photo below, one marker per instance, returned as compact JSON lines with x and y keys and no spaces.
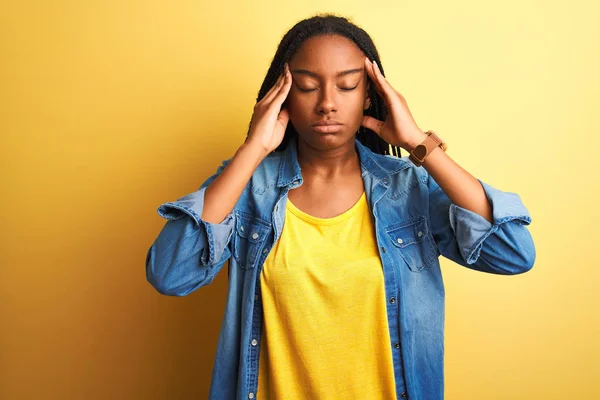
{"x":432,"y":142}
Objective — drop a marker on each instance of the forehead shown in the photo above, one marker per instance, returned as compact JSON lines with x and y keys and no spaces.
{"x":328,"y":54}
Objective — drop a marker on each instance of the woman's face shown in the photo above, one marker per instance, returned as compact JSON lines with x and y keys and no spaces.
{"x":329,"y":83}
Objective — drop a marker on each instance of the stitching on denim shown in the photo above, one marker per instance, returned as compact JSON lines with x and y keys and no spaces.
{"x":180,"y":207}
{"x":426,"y":264}
{"x":262,"y":189}
{"x":399,"y":194}
{"x":253,"y":220}
{"x":512,"y":218}
{"x":421,"y":179}
{"x":471,"y":256}
{"x":427,"y":239}
{"x":210,"y":240}
{"x":406,"y":222}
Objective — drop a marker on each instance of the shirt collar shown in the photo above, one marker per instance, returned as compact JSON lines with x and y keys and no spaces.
{"x":379,"y":166}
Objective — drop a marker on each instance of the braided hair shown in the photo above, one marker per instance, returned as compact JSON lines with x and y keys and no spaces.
{"x":330,"y":24}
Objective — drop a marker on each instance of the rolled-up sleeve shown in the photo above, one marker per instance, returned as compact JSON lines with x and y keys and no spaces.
{"x":502,"y":247}
{"x":188,"y":251}
{"x":216,"y":235}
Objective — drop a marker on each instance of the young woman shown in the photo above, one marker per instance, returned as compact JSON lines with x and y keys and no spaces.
{"x":335,"y":289}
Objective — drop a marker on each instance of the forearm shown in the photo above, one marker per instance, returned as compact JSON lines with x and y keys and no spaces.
{"x":459,"y":185}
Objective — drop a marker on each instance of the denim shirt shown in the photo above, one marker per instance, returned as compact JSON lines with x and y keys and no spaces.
{"x":415,"y":222}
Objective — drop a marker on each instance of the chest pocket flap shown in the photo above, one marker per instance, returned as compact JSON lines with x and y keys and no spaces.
{"x":413,"y":240}
{"x":249,"y":239}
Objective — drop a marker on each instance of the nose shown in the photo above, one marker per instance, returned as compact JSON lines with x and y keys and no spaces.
{"x":327,"y":100}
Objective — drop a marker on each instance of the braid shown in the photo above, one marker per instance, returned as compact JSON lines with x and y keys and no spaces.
{"x":330,"y":24}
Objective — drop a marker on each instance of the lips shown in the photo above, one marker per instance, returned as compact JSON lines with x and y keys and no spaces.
{"x":326,"y":122}
{"x":327,"y":126}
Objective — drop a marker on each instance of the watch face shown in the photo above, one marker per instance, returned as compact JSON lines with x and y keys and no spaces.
{"x":420,"y":151}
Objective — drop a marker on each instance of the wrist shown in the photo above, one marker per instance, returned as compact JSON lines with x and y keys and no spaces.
{"x":253,"y":151}
{"x":252,"y":144}
{"x":415,"y":139}
{"x":429,"y":145}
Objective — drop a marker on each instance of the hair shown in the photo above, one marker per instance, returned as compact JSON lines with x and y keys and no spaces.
{"x":330,"y":24}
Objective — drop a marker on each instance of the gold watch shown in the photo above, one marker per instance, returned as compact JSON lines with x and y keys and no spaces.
{"x":432,"y":142}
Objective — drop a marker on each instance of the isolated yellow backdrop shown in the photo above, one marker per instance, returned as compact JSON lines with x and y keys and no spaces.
{"x":109,"y":108}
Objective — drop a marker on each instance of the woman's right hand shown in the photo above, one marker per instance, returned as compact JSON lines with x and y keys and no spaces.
{"x":270,"y":120}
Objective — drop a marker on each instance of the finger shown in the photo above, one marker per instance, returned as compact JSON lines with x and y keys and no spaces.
{"x":379,"y":82}
{"x":372,"y":123}
{"x":275,"y":88}
{"x":268,"y":97}
{"x":385,"y":84}
{"x":370,"y":68}
{"x":280,"y":97}
{"x":284,"y":76}
{"x":285,"y":89}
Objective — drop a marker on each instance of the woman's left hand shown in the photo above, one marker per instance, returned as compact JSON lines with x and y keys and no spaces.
{"x":399,"y":128}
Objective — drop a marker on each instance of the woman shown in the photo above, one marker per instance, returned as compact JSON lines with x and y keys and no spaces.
{"x":335,"y":289}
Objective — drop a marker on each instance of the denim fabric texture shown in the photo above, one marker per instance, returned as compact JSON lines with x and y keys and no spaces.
{"x":415,"y":223}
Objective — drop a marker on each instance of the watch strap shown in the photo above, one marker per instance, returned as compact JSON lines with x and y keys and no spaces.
{"x":431,"y":142}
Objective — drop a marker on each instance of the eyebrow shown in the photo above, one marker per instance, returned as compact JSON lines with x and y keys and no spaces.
{"x":315,"y":75}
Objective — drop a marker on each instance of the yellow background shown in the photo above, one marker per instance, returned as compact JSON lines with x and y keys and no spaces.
{"x":109,"y":108}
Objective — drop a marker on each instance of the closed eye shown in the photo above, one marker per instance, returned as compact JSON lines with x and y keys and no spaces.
{"x":342,"y":88}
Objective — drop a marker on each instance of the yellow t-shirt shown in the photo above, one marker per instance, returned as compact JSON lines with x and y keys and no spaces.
{"x":325,"y":328}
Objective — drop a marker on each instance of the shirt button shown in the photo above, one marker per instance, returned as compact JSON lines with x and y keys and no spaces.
{"x":242,"y":228}
{"x":393,"y":300}
{"x":385,"y":181}
{"x":265,"y":251}
{"x":420,"y":233}
{"x":403,"y":395}
{"x":383,"y":249}
{"x":255,"y":236}
{"x":400,"y":241}
{"x":254,"y":342}
{"x":397,"y":345}
{"x":250,"y":395}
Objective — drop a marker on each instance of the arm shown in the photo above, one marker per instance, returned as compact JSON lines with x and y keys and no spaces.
{"x":459,"y":185}
{"x":503,"y":246}
{"x":193,"y":245}
{"x":473,"y":224}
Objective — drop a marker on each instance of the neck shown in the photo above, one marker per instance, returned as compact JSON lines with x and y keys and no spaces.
{"x":327,"y":164}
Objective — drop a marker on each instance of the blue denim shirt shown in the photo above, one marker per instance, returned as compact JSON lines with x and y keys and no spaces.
{"x":415,"y":223}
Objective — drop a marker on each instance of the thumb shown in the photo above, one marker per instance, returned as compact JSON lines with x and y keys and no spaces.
{"x":372,"y":123}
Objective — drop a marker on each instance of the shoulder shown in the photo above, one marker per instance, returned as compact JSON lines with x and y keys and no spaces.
{"x":407,"y":182}
{"x":399,"y":168}
{"x":270,"y":164}
{"x":266,"y":174}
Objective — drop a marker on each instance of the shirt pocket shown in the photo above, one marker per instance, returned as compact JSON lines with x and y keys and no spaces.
{"x":414,"y":242}
{"x":249,"y":239}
